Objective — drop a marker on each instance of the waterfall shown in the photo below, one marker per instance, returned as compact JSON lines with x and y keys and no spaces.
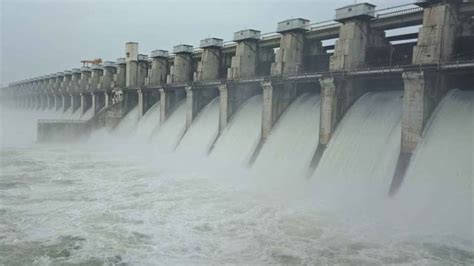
{"x":148,"y":123}
{"x":169,"y":134}
{"x":203,"y":131}
{"x":128,"y":124}
{"x":361,"y":156}
{"x":240,"y":138}
{"x":287,"y":153}
{"x":438,"y":186}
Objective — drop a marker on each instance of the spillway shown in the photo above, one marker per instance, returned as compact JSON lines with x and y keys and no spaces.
{"x":127,"y":125}
{"x":203,"y":132}
{"x":287,"y":153}
{"x":148,"y":123}
{"x":438,"y":186}
{"x":361,"y":156}
{"x":241,"y":137}
{"x":168,"y":135}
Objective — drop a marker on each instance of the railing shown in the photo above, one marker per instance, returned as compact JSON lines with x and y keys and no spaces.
{"x":399,"y":12}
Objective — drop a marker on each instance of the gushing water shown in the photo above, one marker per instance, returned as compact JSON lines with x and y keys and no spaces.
{"x":361,"y":156}
{"x":93,"y":205}
{"x":169,"y":134}
{"x":127,"y":125}
{"x":203,"y":132}
{"x":286,"y":155}
{"x":439,"y":182}
{"x":148,"y":123}
{"x":241,"y":137}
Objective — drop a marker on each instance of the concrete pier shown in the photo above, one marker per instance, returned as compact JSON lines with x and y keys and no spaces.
{"x":159,"y":68}
{"x":244,"y":62}
{"x":289,"y":57}
{"x":120,"y":77}
{"x":208,"y":67}
{"x":182,"y":69}
{"x":339,"y":93}
{"x":131,"y":74}
{"x":425,"y":89}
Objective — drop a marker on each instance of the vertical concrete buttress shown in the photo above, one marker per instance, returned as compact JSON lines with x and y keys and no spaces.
{"x":131,"y":57}
{"x":425,"y":89}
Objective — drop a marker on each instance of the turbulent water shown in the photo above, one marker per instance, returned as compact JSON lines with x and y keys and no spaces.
{"x":105,"y":202}
{"x":203,"y":132}
{"x":363,"y":152}
{"x":239,"y":140}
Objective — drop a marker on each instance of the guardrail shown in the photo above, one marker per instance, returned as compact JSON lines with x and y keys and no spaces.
{"x":399,"y":12}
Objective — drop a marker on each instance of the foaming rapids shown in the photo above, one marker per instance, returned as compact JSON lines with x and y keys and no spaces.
{"x":146,"y":192}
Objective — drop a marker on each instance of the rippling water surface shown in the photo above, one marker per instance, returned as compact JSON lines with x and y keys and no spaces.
{"x":103,"y":202}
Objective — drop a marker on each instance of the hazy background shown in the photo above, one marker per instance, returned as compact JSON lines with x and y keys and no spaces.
{"x":40,"y":37}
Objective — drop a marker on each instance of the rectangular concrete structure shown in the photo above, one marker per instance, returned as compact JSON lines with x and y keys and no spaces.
{"x":159,"y":68}
{"x":208,"y":67}
{"x":182,"y":70}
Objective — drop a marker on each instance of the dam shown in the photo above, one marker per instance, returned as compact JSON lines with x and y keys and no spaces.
{"x":359,"y":111}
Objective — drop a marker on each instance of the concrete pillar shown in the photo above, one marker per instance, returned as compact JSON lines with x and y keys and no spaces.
{"x":159,"y":68}
{"x":338,"y":94}
{"x":423,"y":89}
{"x":289,"y":58}
{"x":66,"y":84}
{"x":142,"y":71}
{"x":86,"y":73}
{"x":244,"y":63}
{"x":169,"y":99}
{"x":182,"y":69}
{"x":76,"y":77}
{"x":141,"y":102}
{"x":196,"y":99}
{"x":437,"y":36}
{"x":120,"y":76}
{"x":131,"y":77}
{"x":109,"y":69}
{"x":230,"y":99}
{"x":96,"y":74}
{"x":208,"y":67}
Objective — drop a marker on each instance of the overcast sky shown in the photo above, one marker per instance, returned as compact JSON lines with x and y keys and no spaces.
{"x":40,"y":37}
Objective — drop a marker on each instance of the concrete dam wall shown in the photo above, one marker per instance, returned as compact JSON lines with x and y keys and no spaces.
{"x":363,"y":102}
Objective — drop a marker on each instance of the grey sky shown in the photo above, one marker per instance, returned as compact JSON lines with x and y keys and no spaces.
{"x":40,"y":37}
